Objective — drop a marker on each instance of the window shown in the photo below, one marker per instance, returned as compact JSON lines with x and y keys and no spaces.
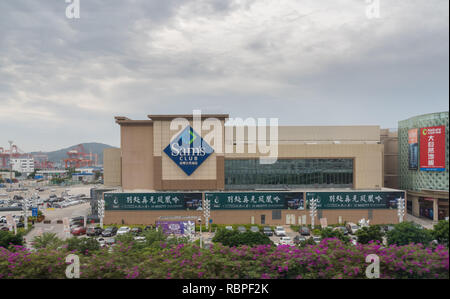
{"x":276,"y":214}
{"x":316,"y":173}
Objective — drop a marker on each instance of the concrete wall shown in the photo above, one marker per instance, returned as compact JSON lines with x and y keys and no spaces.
{"x":390,"y":164}
{"x":112,"y":167}
{"x":245,"y":216}
{"x":137,"y":156}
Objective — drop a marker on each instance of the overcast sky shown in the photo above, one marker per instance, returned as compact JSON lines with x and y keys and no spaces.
{"x":307,"y":62}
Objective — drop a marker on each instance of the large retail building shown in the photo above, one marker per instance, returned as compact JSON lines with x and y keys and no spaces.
{"x":423,"y":167}
{"x":179,"y":172}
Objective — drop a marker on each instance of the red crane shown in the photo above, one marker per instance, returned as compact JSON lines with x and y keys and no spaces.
{"x":5,"y":155}
{"x":41,"y":162}
{"x":78,"y":157}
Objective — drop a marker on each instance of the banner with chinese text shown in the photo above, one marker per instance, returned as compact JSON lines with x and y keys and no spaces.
{"x":432,"y":148}
{"x":153,"y":201}
{"x":413,"y":149}
{"x":355,"y":200}
{"x":256,"y":200}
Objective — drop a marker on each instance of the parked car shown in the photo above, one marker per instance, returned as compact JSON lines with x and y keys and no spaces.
{"x":279,"y":231}
{"x":78,"y":231}
{"x":123,"y":230}
{"x":343,"y":229}
{"x":148,"y":227}
{"x":110,"y":241}
{"x":267,"y":230}
{"x":298,"y":239}
{"x":241,"y":229}
{"x":352,"y":228}
{"x":387,"y":228}
{"x":20,"y":224}
{"x":136,"y":230}
{"x":109,"y":231}
{"x":94,"y":231}
{"x":139,"y":239}
{"x":317,"y":239}
{"x":4,"y":228}
{"x":228,"y":227}
{"x":254,"y":229}
{"x":285,"y":241}
{"x":304,"y":231}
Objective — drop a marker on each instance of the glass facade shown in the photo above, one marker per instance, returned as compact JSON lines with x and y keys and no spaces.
{"x":249,"y":174}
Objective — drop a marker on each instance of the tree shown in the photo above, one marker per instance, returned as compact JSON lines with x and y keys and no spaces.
{"x":8,"y":238}
{"x":441,"y":232}
{"x":47,"y":240}
{"x":369,"y":233}
{"x":408,"y":232}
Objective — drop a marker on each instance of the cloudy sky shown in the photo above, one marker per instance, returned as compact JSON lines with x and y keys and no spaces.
{"x":307,"y":62}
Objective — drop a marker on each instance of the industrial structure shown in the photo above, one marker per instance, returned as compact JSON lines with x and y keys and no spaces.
{"x":78,"y":157}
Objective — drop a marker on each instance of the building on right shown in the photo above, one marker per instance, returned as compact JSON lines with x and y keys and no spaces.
{"x":423,"y":164}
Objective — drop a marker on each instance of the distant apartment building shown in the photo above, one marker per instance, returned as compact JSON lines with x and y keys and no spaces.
{"x":23,"y":165}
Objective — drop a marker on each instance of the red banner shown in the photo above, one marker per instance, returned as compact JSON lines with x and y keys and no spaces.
{"x":432,"y":148}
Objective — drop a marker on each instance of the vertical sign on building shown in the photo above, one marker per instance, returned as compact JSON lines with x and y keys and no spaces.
{"x":413,"y":149}
{"x":432,"y":148}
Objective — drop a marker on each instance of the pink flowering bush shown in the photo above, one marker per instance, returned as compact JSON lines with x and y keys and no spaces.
{"x":330,"y":259}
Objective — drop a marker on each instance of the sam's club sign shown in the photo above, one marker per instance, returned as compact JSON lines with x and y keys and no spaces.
{"x":188,"y":150}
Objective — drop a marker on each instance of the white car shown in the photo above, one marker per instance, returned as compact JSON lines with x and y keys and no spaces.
{"x":123,"y":230}
{"x":139,"y":239}
{"x":279,"y":231}
{"x":286,"y":241}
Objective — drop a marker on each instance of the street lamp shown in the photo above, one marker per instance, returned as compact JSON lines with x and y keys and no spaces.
{"x":101,"y":210}
{"x":200,"y":222}
{"x":206,"y":212}
{"x":313,"y":210}
{"x":400,"y":209}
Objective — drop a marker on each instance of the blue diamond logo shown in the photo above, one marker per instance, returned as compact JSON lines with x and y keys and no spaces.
{"x":188,"y":150}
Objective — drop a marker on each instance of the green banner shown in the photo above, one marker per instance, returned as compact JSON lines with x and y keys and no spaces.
{"x":153,"y":201}
{"x":255,"y":200}
{"x":355,"y":200}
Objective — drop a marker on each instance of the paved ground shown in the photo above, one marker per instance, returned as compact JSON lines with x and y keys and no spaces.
{"x":426,"y":223}
{"x":54,"y":215}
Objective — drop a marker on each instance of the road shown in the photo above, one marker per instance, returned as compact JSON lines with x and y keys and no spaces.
{"x":54,"y":215}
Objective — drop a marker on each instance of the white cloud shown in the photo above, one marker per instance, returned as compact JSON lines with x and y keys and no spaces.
{"x":296,"y":60}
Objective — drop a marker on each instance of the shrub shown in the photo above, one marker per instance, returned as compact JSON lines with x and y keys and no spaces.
{"x":441,"y":232}
{"x":328,"y":232}
{"x":330,"y":259}
{"x":235,"y":238}
{"x":369,"y":233}
{"x":8,"y":238}
{"x":408,"y":232}
{"x":83,"y":245}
